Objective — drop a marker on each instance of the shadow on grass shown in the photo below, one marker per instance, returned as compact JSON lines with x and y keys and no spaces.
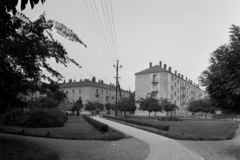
{"x":76,"y":128}
{"x":12,"y":148}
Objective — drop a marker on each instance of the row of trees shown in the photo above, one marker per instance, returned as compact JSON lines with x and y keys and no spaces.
{"x":152,"y":104}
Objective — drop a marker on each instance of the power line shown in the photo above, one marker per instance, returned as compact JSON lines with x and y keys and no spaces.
{"x":96,"y":31}
{"x":100,"y":23}
{"x":114,"y":29}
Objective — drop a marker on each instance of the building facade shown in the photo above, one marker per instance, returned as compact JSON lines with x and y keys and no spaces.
{"x":162,"y":83}
{"x":92,"y":91}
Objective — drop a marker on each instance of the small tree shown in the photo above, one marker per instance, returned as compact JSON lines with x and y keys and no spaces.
{"x":154,"y":107}
{"x":77,"y":105}
{"x":108,"y":107}
{"x":65,"y":105}
{"x":168,"y":106}
{"x":90,"y":106}
{"x":145,"y":102}
{"x":127,"y":105}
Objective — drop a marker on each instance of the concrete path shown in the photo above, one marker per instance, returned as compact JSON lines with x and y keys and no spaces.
{"x":162,"y":148}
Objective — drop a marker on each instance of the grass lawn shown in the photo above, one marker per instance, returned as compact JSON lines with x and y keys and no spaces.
{"x":12,"y":148}
{"x":74,"y":128}
{"x":193,"y":129}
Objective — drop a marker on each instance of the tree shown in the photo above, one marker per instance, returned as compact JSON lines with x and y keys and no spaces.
{"x":77,"y":105}
{"x":168,"y":106}
{"x":222,"y":77}
{"x":65,"y":106}
{"x":22,"y":64}
{"x":201,"y":105}
{"x":154,"y":107}
{"x":127,"y":105}
{"x":90,"y":106}
{"x":144,"y":103}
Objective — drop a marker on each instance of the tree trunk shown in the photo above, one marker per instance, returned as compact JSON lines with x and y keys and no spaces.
{"x":125,"y":114}
{"x":155,"y":115}
{"x":205,"y":115}
{"x":149,"y":114}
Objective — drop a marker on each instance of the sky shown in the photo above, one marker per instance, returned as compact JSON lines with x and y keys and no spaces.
{"x":180,"y":33}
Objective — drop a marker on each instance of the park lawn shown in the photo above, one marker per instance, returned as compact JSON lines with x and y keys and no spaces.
{"x":75,"y":128}
{"x":12,"y":148}
{"x":193,"y":129}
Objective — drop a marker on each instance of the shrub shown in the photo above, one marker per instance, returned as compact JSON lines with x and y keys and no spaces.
{"x":160,"y":127}
{"x":13,"y":117}
{"x":44,"y":118}
{"x":100,"y":126}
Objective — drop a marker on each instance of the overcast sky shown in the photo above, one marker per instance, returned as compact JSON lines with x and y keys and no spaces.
{"x":180,"y":33}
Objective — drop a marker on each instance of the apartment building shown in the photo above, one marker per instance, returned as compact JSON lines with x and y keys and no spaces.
{"x":162,"y":83}
{"x":92,"y":91}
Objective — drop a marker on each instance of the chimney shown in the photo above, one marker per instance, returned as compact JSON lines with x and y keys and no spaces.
{"x":175,"y":72}
{"x":70,"y":81}
{"x":150,"y":64}
{"x":169,"y":69}
{"x":74,"y":80}
{"x":94,"y":79}
{"x":165,"y":66}
{"x":186,"y":78}
{"x":182,"y":76}
{"x":178,"y":74}
{"x":160,"y":64}
{"x":64,"y":81}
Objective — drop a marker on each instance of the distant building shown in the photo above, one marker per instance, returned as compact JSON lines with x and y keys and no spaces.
{"x":92,"y":91}
{"x":162,"y":83}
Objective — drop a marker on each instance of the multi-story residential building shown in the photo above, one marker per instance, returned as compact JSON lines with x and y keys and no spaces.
{"x":92,"y":91}
{"x":162,"y":83}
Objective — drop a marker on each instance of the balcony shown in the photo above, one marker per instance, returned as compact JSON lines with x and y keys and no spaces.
{"x":154,"y":81}
{"x":155,"y":91}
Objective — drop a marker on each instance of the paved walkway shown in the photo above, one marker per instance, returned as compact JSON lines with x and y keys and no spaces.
{"x":162,"y":148}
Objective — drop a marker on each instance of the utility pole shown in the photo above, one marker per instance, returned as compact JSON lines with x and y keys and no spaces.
{"x":116,"y":84}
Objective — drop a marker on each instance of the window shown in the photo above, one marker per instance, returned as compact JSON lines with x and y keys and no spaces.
{"x":102,"y":91}
{"x":154,"y":78}
{"x":79,"y":90}
{"x":175,"y":84}
{"x":175,"y":93}
{"x":97,"y":90}
{"x":106,"y":92}
{"x":172,"y":88}
{"x":107,"y":98}
{"x":73,"y":91}
{"x":171,"y":97}
{"x":178,"y":81}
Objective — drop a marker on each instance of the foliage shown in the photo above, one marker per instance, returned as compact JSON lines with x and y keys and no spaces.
{"x":90,"y":106}
{"x":99,"y":125}
{"x":159,"y":127}
{"x":65,"y":106}
{"x":23,"y":63}
{"x":201,"y":105}
{"x":35,"y":118}
{"x":52,"y":117}
{"x":168,"y":106}
{"x":127,"y":105}
{"x":144,"y":103}
{"x":221,"y":78}
{"x":154,"y":107}
{"x":108,"y":106}
{"x":99,"y":106}
{"x":77,"y":105}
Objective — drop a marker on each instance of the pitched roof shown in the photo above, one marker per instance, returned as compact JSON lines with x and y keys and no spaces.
{"x":154,"y":69}
{"x":89,"y":84}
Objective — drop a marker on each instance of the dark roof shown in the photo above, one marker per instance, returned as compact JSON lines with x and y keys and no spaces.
{"x":154,"y":69}
{"x":89,"y":84}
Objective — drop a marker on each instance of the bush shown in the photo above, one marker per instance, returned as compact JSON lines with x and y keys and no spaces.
{"x":160,"y":127}
{"x":171,"y":118}
{"x":44,"y":118}
{"x":14,"y":117}
{"x":100,"y":126}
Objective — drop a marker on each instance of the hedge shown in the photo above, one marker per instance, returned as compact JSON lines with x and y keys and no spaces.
{"x":100,"y":126}
{"x":159,"y":127}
